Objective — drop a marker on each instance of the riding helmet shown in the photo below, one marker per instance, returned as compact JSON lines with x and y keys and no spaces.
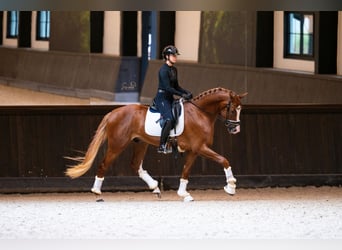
{"x":170,"y":50}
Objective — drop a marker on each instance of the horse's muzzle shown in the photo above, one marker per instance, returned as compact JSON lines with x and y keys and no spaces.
{"x":233,"y":127}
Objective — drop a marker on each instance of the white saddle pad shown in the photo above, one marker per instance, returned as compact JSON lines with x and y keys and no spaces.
{"x":152,"y":125}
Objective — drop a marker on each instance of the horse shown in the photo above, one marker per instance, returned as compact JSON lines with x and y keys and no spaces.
{"x":125,"y":125}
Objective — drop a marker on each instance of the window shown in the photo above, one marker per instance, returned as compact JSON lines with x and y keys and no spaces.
{"x":299,"y":35}
{"x":12,"y":24}
{"x":43,"y":25}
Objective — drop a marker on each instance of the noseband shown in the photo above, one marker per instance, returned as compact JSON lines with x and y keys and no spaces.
{"x":230,"y":124}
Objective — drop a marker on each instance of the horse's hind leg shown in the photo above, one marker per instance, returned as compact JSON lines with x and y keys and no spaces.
{"x":99,"y":178}
{"x":114,"y":148}
{"x":139,"y":151}
{"x":182,"y":192}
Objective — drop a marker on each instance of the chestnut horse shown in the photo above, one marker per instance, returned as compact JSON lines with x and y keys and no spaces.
{"x":125,"y":125}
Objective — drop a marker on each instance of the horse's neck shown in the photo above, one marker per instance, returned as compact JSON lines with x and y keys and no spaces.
{"x":212,"y":103}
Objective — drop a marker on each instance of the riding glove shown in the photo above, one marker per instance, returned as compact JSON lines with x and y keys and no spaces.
{"x":187,"y":96}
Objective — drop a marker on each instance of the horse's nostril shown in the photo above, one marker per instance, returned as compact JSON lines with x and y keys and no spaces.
{"x":234,"y":130}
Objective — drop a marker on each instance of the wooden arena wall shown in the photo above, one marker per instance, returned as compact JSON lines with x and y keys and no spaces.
{"x":80,"y":75}
{"x":279,"y":145}
{"x":118,"y":78}
{"x":264,"y":85}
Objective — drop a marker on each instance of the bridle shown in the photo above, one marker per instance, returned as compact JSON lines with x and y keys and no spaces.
{"x":230,"y":124}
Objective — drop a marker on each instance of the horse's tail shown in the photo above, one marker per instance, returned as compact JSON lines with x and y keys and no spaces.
{"x":87,"y":161}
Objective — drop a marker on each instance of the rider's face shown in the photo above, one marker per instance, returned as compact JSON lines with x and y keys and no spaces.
{"x":173,"y":58}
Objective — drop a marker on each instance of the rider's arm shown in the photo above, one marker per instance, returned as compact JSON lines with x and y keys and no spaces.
{"x":165,"y":83}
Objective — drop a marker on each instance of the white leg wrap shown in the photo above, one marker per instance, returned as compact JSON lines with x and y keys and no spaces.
{"x":152,"y":184}
{"x":182,"y":190}
{"x":229,"y":175}
{"x":231,"y":186}
{"x":97,"y":185}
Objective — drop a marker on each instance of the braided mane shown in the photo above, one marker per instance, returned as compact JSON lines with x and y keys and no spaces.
{"x":209,"y":92}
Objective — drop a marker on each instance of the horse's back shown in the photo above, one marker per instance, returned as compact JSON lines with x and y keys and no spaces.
{"x":128,"y":115}
{"x":130,"y":109}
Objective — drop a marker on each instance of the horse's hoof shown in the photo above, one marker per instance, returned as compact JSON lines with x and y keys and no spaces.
{"x":229,"y":189}
{"x":156,"y":191}
{"x":154,"y":185}
{"x":182,"y":193}
{"x":188,"y":198}
{"x":96,"y":191}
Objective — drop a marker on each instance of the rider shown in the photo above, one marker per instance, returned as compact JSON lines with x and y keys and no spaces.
{"x":168,"y":87}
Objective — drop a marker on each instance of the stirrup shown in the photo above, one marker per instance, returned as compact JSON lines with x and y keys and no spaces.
{"x":164,"y":149}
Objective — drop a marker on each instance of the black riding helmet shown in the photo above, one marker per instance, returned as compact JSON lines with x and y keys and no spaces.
{"x":169,"y":50}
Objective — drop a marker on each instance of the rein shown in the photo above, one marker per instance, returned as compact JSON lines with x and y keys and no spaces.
{"x":201,"y":109}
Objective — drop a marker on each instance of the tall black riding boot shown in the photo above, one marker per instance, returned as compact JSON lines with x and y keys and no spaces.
{"x":164,"y":135}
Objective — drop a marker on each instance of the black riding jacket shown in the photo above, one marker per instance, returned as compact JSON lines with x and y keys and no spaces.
{"x":167,"y":87}
{"x":168,"y":82}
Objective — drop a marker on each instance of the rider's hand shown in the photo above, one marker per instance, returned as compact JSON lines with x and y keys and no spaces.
{"x":187,"y":96}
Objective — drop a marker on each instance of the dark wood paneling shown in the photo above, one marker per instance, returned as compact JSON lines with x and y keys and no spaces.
{"x":275,"y":143}
{"x":291,"y":142}
{"x":38,"y":138}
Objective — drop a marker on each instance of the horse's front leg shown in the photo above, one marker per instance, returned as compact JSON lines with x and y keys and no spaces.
{"x":231,"y":181}
{"x":152,"y":183}
{"x":182,"y":192}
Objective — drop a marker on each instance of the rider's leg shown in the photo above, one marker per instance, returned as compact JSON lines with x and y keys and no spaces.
{"x":164,"y":135}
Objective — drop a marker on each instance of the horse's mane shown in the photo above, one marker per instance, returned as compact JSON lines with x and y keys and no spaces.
{"x":210,"y":92}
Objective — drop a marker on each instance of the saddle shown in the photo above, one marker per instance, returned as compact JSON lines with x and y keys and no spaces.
{"x":154,"y":122}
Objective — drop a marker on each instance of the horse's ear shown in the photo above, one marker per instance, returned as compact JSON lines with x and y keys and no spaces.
{"x":243,"y":95}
